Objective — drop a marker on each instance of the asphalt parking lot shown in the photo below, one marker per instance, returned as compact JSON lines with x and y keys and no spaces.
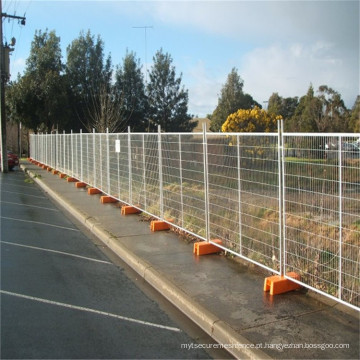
{"x":62,"y":297}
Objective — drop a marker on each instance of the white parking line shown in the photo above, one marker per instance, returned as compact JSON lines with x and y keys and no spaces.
{"x":56,"y":252}
{"x":34,"y":206}
{"x":39,"y":223}
{"x":13,"y":180}
{"x":74,"y":307}
{"x":12,"y":184}
{"x":20,"y":193}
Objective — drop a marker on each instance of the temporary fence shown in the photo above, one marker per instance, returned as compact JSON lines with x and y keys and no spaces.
{"x":288,"y":202}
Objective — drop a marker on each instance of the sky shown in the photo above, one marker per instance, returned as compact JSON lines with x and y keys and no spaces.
{"x":276,"y":46}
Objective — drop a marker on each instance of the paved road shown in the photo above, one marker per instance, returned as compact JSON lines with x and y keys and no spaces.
{"x":61,"y":296}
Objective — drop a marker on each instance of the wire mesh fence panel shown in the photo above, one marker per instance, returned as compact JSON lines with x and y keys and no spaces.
{"x":350,"y":221}
{"x":288,"y":202}
{"x":68,"y":154}
{"x":104,"y":164}
{"x":172,"y":178}
{"x":86,"y":145}
{"x":151,"y":189}
{"x":223,"y":191}
{"x":322,"y":214}
{"x":48,"y":151}
{"x":193,"y":184}
{"x":258,"y":199}
{"x":61,"y":154}
{"x":89,"y":159}
{"x":138,"y":183}
{"x":124,"y":184}
{"x":53,"y":150}
{"x":97,"y":162}
{"x":77,"y":155}
{"x":45,"y":149}
{"x":58,"y":152}
{"x":112,"y":156}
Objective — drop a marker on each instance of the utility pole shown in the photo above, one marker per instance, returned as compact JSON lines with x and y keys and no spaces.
{"x":4,"y":75}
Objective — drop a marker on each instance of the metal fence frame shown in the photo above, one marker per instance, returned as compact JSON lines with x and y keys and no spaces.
{"x":283,"y":201}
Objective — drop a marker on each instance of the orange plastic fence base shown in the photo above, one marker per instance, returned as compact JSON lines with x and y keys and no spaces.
{"x":43,"y":166}
{"x":204,"y":248}
{"x":93,"y":191}
{"x":107,"y":199}
{"x":55,"y":172}
{"x":71,"y":179}
{"x":278,"y":284}
{"x":80,"y":184}
{"x":158,"y":225}
{"x":61,"y":175}
{"x":126,"y":210}
{"x":49,"y":168}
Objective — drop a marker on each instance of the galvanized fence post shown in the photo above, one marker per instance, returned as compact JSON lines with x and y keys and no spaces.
{"x":130,"y":166}
{"x":54,"y":149}
{"x":181,"y":183}
{"x":101,"y":163}
{"x":57,"y":150}
{"x":42,"y":148}
{"x":144,"y":169}
{"x":81,"y":157}
{"x":206,"y":185}
{"x":87,"y":159}
{"x":160,"y":174}
{"x":64,"y":151}
{"x":118,"y":150}
{"x":72,"y":152}
{"x":45,"y":151}
{"x":51,"y":151}
{"x":94,"y":156}
{"x":239,"y":191}
{"x":281,"y":180}
{"x":108,"y":161}
{"x":340,"y":216}
{"x":76,"y":156}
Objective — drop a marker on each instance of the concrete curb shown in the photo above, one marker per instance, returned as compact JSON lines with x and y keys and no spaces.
{"x":219,"y":330}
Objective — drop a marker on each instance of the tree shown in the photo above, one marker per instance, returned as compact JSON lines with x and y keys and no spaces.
{"x":130,"y":90}
{"x":306,"y":112}
{"x":334,"y":116}
{"x":251,"y":120}
{"x":89,"y":77}
{"x":354,"y":122}
{"x":323,"y":113}
{"x":282,"y":106}
{"x":168,"y":100}
{"x":231,"y":99}
{"x":39,"y":98}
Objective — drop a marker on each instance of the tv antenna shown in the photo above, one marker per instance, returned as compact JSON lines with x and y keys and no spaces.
{"x":145,"y":31}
